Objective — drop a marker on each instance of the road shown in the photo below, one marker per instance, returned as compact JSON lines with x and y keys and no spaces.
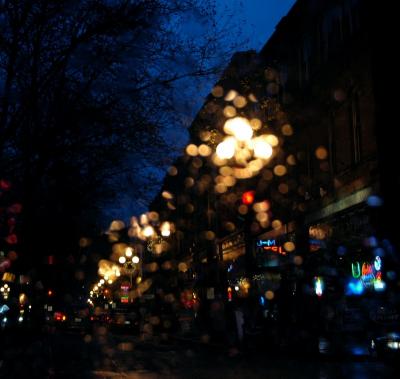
{"x":100,"y":354}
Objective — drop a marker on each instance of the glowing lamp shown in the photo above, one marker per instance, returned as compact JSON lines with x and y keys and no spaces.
{"x":128,"y":252}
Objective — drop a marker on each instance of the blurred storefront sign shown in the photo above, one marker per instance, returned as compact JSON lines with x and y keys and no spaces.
{"x":8,"y":277}
{"x":232,"y":247}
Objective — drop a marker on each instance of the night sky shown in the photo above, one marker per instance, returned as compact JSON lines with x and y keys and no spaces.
{"x":256,"y":21}
{"x":260,"y":17}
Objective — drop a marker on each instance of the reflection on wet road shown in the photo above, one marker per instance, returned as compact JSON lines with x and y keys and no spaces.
{"x":104,"y":355}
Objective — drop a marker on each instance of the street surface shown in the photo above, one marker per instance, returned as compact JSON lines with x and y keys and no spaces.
{"x":64,"y":354}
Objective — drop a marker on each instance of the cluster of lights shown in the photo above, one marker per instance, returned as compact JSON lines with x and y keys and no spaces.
{"x":250,"y":153}
{"x":5,"y":291}
{"x":149,"y":226}
{"x":129,"y":262}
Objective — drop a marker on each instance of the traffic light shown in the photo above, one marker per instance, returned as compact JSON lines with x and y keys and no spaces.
{"x":248,"y":197}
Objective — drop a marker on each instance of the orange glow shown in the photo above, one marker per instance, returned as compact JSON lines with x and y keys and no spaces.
{"x":248,"y":197}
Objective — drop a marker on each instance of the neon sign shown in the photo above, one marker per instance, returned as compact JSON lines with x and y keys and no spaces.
{"x":356,"y":270}
{"x":262,"y":243}
{"x":368,"y":275}
{"x":378,"y":263}
{"x":270,"y":245}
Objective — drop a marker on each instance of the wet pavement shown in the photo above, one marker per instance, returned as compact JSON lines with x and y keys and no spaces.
{"x":100,"y":354}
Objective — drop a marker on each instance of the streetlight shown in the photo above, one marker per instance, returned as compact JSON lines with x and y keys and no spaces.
{"x":129,"y":262}
{"x":5,"y":291}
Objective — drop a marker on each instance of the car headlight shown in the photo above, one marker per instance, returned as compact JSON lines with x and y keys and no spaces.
{"x":394,"y":345}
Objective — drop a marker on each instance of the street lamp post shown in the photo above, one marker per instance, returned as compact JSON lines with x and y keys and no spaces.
{"x":129,"y":262}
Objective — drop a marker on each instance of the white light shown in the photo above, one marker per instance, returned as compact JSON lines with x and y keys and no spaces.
{"x":226,"y":149}
{"x":20,"y":319}
{"x":165,"y":233}
{"x":262,"y":149}
{"x":128,"y":252}
{"x":135,"y":259}
{"x":378,"y":263}
{"x":236,"y":288}
{"x":379,"y":285}
{"x":148,"y":231}
{"x":122,"y":260}
{"x":394,"y":345}
{"x":101,"y":281}
{"x":239,"y":127}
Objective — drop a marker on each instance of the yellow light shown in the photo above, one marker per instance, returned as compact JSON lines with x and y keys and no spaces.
{"x":110,"y":281}
{"x":135,"y":259}
{"x":231,"y":95}
{"x":239,"y":127}
{"x":272,"y":140}
{"x":165,"y":229}
{"x":129,"y":252}
{"x":101,"y":281}
{"x":148,"y":231}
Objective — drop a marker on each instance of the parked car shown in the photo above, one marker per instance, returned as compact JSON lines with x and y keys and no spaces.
{"x":386,"y":346}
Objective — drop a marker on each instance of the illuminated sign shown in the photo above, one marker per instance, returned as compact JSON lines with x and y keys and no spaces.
{"x":318,"y":286}
{"x":270,"y":245}
{"x":261,"y":243}
{"x":275,"y":249}
{"x":368,"y":275}
{"x":356,"y":270}
{"x":125,"y":299}
{"x":316,"y":244}
{"x":378,"y":263}
{"x":232,"y":246}
{"x":8,"y":277}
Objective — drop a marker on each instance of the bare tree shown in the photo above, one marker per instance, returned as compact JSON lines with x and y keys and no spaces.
{"x":85,"y":85}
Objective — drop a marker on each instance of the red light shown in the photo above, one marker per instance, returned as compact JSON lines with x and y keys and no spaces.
{"x":49,"y":292}
{"x":248,"y":197}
